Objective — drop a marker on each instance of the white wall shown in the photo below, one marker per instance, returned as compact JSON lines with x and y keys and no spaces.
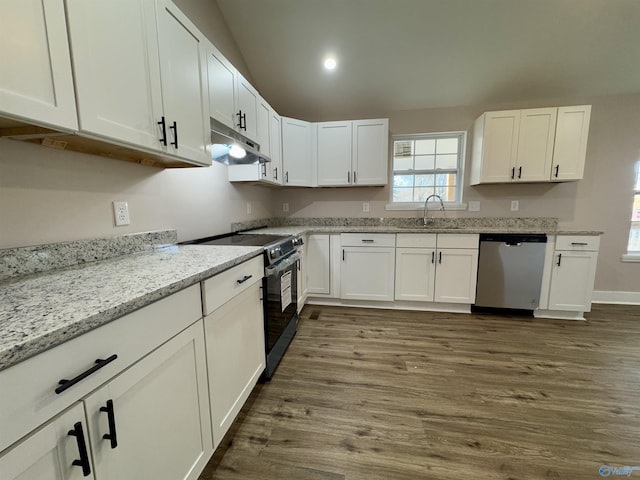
{"x":49,"y":195}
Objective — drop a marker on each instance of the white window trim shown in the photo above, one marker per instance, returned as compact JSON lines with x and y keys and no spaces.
{"x":458,"y":204}
{"x":631,"y":258}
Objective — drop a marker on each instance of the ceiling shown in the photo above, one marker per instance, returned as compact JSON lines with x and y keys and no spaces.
{"x":414,"y":54}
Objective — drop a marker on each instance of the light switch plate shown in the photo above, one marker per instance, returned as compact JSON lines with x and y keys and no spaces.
{"x":285,"y":207}
{"x":365,"y":206}
{"x":474,"y":206}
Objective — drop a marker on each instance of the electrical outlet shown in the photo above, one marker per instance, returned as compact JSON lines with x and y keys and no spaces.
{"x":474,"y":206}
{"x":121,"y":213}
{"x":515,"y":205}
{"x":365,"y":206}
{"x":285,"y":207}
{"x":249,"y":210}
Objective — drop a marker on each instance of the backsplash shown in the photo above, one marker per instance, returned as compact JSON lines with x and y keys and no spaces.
{"x":20,"y":261}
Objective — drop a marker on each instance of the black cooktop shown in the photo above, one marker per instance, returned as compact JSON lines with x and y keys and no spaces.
{"x":241,"y":239}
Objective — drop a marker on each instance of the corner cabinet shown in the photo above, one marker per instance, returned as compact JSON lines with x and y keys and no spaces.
{"x":36,"y":84}
{"x":352,"y":152}
{"x":534,"y":145}
{"x":145,"y":86}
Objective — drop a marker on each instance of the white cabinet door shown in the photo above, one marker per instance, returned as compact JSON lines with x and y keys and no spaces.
{"x":367,"y":273}
{"x":500,"y":145}
{"x":572,"y":279}
{"x":263,"y":122}
{"x":158,"y":412}
{"x":117,"y":76}
{"x":415,"y":274}
{"x":296,"y":152}
{"x":247,"y":106}
{"x":275,"y":133}
{"x":334,"y":153}
{"x":535,"y":145}
{"x":49,"y":453}
{"x":570,"y":148}
{"x":222,"y":87}
{"x":235,"y":356}
{"x":318,"y":262}
{"x":185,"y":99}
{"x":456,"y":275}
{"x":36,"y":83}
{"x":370,"y":152}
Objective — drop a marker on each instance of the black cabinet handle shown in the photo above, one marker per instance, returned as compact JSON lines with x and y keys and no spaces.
{"x":520,"y":172}
{"x":433,"y":257}
{"x":354,"y":177}
{"x":174,"y":127}
{"x":348,"y":177}
{"x":239,"y":115}
{"x":439,"y":257}
{"x":580,"y":244}
{"x":111,"y":418}
{"x":242,"y":118}
{"x":559,"y":259}
{"x":275,"y":173}
{"x":64,"y":384}
{"x":286,"y":177}
{"x":264,"y":169}
{"x":82,"y":449}
{"x":343,"y":254}
{"x":163,"y":124}
{"x":367,"y":240}
{"x":557,"y":170}
{"x":513,"y":173}
{"x":244,"y":279}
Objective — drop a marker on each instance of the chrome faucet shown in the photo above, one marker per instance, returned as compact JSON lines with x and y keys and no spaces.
{"x":425,"y":219}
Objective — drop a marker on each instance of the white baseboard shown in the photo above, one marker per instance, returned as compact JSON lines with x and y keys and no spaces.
{"x":397,"y":305}
{"x":621,"y":298}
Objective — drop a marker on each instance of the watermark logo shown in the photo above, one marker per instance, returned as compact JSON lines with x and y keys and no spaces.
{"x":606,"y":470}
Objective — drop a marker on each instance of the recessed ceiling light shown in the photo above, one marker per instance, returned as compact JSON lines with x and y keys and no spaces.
{"x":330,"y":63}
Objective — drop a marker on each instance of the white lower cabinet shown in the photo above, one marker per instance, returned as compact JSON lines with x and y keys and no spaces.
{"x":158,"y":412}
{"x":236,"y":358}
{"x":573,"y":273}
{"x":436,"y":267}
{"x":367,"y":268}
{"x":49,"y":452}
{"x":318,"y":265}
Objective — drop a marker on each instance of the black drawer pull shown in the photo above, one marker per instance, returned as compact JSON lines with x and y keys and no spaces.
{"x":244,"y":279}
{"x":82,"y":449}
{"x":367,"y":240}
{"x":111,"y":418}
{"x":580,"y":244}
{"x":64,"y":384}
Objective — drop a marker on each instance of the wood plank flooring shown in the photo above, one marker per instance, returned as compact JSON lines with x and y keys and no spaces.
{"x":381,"y":394}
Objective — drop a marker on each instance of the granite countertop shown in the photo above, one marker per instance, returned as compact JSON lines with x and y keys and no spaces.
{"x":43,"y":310}
{"x":305,"y":229}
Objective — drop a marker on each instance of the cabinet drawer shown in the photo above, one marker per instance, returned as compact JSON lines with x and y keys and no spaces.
{"x":28,"y":389}
{"x":577,"y":242}
{"x":223,"y":287}
{"x":458,"y":240}
{"x":368,"y":239}
{"x":416,"y":240}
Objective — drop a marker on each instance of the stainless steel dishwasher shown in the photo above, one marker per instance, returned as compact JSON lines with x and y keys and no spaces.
{"x":510,"y":270}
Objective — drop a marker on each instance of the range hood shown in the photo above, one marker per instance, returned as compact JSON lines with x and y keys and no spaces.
{"x":232,"y":148}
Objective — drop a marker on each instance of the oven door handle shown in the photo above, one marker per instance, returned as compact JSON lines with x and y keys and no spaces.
{"x":282,"y":265}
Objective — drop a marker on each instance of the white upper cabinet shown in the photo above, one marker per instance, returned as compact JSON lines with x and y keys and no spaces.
{"x":275,"y":146}
{"x":297,"y":156}
{"x":232,"y":99}
{"x":531,"y":145}
{"x":334,"y":153}
{"x":146,"y":85}
{"x":36,"y":84}
{"x":370,"y":152}
{"x":353,"y":152}
{"x":570,"y":148}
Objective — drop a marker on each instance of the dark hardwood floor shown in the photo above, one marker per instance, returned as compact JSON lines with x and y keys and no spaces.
{"x":381,"y":394}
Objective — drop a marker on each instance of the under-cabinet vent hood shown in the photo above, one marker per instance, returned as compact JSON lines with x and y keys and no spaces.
{"x":232,"y":148}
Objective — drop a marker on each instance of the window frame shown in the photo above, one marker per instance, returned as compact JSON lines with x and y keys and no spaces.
{"x":633,"y":255}
{"x":456,"y":204}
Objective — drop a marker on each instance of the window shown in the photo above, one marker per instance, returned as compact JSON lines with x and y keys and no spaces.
{"x":634,"y":233}
{"x":427,"y":164}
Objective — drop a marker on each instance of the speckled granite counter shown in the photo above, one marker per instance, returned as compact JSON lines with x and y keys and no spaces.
{"x":40,"y":311}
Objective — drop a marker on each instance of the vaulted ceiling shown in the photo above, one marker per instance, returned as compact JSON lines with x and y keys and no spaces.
{"x":413,"y":54}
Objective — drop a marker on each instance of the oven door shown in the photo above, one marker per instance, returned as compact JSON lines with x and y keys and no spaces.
{"x":281,"y":306}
